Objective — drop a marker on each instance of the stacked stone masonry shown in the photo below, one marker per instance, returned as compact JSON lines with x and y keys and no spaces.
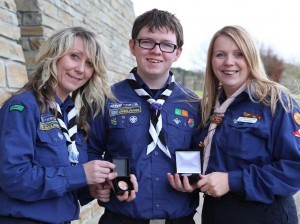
{"x":25,"y":24}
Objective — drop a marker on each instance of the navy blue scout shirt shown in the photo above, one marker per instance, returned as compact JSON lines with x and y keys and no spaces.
{"x":36,"y":178}
{"x":124,"y":132}
{"x":261,"y":153}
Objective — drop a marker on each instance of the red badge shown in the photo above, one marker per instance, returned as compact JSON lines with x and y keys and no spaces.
{"x":296,"y":117}
{"x":191,"y":122}
{"x":297,"y":133}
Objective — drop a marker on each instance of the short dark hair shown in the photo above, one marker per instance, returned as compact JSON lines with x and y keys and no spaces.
{"x":158,"y":19}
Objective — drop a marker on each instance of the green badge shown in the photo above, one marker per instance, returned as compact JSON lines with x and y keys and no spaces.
{"x":177,"y":111}
{"x":16,"y":107}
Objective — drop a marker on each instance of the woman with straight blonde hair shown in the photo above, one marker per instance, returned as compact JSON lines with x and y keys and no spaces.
{"x":250,"y":134}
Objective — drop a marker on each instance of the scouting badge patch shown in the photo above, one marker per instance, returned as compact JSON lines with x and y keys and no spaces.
{"x":191,"y":122}
{"x":17,"y":107}
{"x":124,"y":108}
{"x":297,"y":133}
{"x":296,"y":117}
{"x":48,"y":121}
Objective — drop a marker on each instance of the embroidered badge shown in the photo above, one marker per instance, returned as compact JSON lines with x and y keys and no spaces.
{"x":181,"y":112}
{"x":296,"y":117}
{"x":48,"y":121}
{"x":17,"y":107}
{"x":297,"y":133}
{"x":133,"y":119}
{"x":178,"y":111}
{"x":176,"y":120}
{"x":124,"y":108}
{"x":113,"y":112}
{"x":247,"y":114}
{"x":113,"y":121}
{"x":184,"y":113}
{"x":191,"y":122}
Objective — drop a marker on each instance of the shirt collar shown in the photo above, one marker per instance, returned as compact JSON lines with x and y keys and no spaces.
{"x":66,"y":104}
{"x":241,"y":96}
{"x":145,"y":86}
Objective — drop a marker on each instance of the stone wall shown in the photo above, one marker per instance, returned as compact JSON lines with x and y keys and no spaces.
{"x":13,"y":73}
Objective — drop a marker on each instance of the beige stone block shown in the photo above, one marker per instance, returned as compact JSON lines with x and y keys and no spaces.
{"x":9,"y":4}
{"x":30,"y":57}
{"x":49,"y":31}
{"x":35,"y":43}
{"x":96,"y":208}
{"x":4,"y":95}
{"x":8,"y":17}
{"x":32,"y":31}
{"x":4,"y":48}
{"x":54,"y":21}
{"x":86,"y":212}
{"x":11,"y":50}
{"x":25,"y":43}
{"x":28,"y":5}
{"x":16,"y":52}
{"x":50,"y":9}
{"x":2,"y":74}
{"x":16,"y":74}
{"x":66,"y":18}
{"x":97,"y":212}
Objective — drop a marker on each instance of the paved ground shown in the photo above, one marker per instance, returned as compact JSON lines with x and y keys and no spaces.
{"x":197,"y":216}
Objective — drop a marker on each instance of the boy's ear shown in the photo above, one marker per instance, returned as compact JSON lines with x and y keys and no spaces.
{"x":178,"y":53}
{"x":132,"y":46}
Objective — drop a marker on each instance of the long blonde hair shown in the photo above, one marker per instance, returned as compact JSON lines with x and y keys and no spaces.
{"x":261,"y":88}
{"x":93,"y":94}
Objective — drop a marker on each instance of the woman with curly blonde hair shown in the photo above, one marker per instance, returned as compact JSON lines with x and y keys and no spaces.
{"x":43,"y":157}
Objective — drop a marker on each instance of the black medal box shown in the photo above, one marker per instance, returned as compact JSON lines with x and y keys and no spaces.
{"x":122,"y":182}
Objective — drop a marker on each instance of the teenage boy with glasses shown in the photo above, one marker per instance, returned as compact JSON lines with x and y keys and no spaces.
{"x":152,"y":118}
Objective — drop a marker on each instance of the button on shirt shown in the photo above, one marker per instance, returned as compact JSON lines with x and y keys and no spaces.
{"x":124,"y":132}
{"x":260,"y":152}
{"x":36,"y":178}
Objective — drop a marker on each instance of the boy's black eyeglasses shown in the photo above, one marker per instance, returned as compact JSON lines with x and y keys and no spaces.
{"x":163,"y":46}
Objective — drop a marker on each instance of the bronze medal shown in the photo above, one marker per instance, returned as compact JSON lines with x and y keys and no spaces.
{"x":201,"y":144}
{"x":216,"y":119}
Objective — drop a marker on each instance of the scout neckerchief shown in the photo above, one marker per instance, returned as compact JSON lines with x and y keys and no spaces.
{"x":70,"y":132}
{"x":215,"y":120}
{"x":156,"y":135}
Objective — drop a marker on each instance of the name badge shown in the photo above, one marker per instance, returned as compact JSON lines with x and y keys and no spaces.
{"x":251,"y":120}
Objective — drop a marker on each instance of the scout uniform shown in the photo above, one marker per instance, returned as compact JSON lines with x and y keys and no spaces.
{"x":36,"y":178}
{"x":124,"y":132}
{"x":261,"y":154}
